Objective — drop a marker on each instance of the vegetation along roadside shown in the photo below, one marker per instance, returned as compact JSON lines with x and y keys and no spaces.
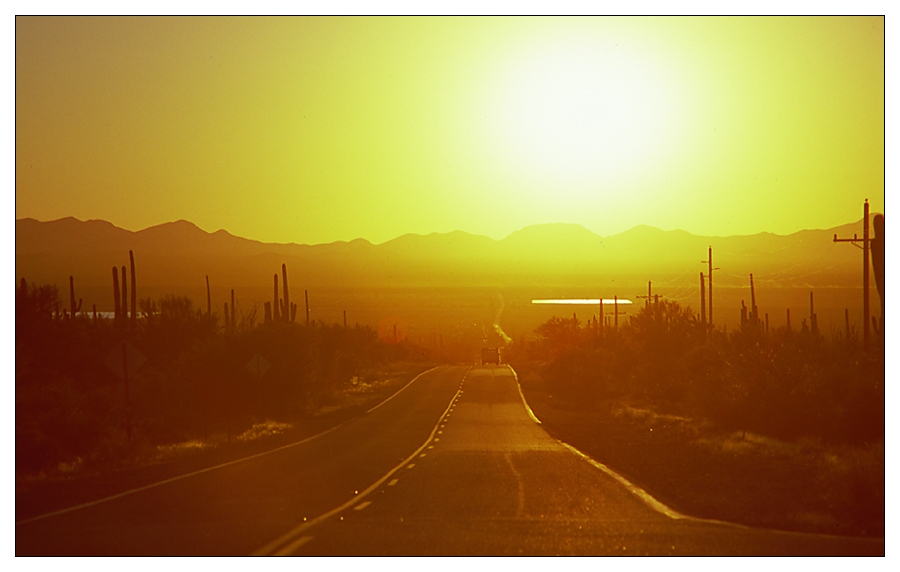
{"x":781,"y":430}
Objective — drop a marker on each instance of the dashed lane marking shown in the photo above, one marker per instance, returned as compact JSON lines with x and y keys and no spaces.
{"x":288,"y":537}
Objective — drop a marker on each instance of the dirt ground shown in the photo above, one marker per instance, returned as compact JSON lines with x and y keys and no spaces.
{"x":71,"y":486}
{"x":737,"y":477}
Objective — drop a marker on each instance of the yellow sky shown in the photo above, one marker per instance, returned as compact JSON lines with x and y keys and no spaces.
{"x":321,"y":129}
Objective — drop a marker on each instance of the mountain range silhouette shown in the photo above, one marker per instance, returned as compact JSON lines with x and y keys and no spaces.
{"x":177,"y":257}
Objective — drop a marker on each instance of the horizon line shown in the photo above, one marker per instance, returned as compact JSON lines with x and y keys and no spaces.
{"x":871,"y":214}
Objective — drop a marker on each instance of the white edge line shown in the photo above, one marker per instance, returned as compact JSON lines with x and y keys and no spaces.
{"x":288,"y":550}
{"x":176,"y":478}
{"x":522,"y":395}
{"x":661,"y":508}
{"x":632,"y":488}
{"x":401,"y":389}
{"x":297,"y":531}
{"x":207,"y":469}
{"x":671,"y":513}
{"x":636,"y":490}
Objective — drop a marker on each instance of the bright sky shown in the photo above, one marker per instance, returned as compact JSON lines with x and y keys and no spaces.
{"x":321,"y":129}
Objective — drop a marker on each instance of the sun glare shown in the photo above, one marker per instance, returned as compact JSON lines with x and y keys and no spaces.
{"x":580,"y":111}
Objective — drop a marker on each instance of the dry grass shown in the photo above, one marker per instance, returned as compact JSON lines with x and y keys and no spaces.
{"x":742,"y":477}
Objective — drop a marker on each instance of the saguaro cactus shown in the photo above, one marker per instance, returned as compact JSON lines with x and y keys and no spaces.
{"x":72,"y":306}
{"x":877,"y":248}
{"x":124,"y":302}
{"x":276,"y":304}
{"x":133,"y":290}
{"x":702,"y":302}
{"x":287,"y":297}
{"x":754,"y":310}
{"x":233,"y":312}
{"x":116,"y":307}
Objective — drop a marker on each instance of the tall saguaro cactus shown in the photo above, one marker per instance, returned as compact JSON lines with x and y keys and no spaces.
{"x":72,"y":307}
{"x":133,"y":290}
{"x":275,"y":305}
{"x":116,"y":307}
{"x":702,"y":302}
{"x":233,"y":311}
{"x":754,"y":310}
{"x":877,"y":248}
{"x":124,"y":302}
{"x":286,"y":311}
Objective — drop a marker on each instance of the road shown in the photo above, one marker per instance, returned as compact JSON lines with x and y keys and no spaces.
{"x":452,"y":464}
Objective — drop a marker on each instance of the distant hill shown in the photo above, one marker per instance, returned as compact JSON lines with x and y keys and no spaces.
{"x":177,"y":257}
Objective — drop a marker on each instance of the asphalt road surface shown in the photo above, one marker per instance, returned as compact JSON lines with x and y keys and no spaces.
{"x":452,"y":464}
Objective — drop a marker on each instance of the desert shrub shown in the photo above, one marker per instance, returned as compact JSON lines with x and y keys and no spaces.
{"x":583,"y":374}
{"x":787,"y":385}
{"x":194,"y":382}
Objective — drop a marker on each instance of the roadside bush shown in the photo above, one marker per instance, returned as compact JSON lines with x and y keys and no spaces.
{"x":786,"y":385}
{"x":583,"y":375}
{"x":195,"y":380}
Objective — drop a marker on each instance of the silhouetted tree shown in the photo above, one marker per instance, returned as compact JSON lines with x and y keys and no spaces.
{"x":560,"y":333}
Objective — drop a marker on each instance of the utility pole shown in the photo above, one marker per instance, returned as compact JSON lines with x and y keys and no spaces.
{"x":710,"y":285}
{"x":865,"y":247}
{"x":649,"y":295}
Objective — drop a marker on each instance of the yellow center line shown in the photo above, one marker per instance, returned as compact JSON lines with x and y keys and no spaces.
{"x":290,"y":548}
{"x":288,"y":537}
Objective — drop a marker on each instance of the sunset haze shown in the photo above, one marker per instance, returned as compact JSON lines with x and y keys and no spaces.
{"x":313,"y":130}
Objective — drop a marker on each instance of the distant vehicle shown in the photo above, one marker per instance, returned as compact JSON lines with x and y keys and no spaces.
{"x":490,"y":355}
